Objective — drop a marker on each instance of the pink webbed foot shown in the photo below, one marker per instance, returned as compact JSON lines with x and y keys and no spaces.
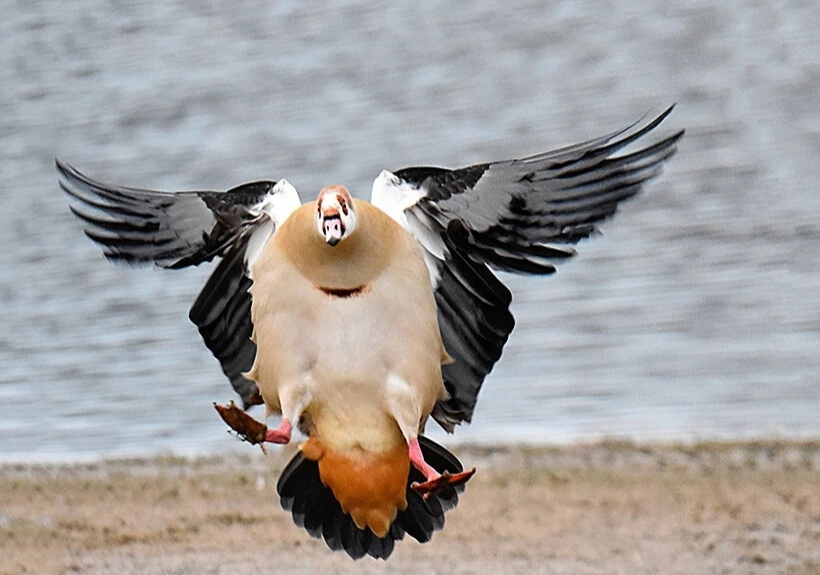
{"x":250,"y":430}
{"x":435,"y":481}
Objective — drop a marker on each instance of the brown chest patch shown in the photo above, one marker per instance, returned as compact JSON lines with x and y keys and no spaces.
{"x":344,"y":292}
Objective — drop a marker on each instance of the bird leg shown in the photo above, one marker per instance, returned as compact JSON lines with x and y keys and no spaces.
{"x":281,"y":434}
{"x":435,"y":481}
{"x":404,"y":408}
{"x":252,"y":431}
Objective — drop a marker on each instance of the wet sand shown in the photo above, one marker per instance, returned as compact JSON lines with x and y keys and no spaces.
{"x":604,"y":508}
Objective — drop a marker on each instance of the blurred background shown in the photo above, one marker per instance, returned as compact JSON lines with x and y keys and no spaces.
{"x":696,"y":315}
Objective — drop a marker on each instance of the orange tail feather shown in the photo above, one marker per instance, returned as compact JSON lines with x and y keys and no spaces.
{"x":370,"y":487}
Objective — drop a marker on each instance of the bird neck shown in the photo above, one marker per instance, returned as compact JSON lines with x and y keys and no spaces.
{"x":354,"y":262}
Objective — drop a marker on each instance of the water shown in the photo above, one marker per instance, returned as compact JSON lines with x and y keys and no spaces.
{"x":696,"y":315}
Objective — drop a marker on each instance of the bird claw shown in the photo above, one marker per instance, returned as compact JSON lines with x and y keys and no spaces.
{"x":443,"y":481}
{"x":245,"y":427}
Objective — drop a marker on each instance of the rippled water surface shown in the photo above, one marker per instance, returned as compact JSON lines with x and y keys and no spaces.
{"x":695,"y":315}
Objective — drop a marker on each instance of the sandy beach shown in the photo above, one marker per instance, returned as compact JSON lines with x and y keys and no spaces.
{"x":604,"y":508}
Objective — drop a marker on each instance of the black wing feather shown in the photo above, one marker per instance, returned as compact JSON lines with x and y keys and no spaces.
{"x":176,"y":230}
{"x":222,"y":313}
{"x":507,"y":216}
{"x":475,"y":322}
{"x":169,"y":229}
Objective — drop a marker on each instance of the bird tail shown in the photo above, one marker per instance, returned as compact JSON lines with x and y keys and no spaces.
{"x":363,"y":503}
{"x":370,"y":487}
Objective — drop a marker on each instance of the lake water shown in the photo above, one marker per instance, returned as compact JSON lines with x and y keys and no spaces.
{"x":696,"y":315}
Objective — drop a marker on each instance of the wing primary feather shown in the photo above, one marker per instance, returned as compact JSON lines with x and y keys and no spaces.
{"x":221,"y":312}
{"x":602,"y":146}
{"x":173,"y":230}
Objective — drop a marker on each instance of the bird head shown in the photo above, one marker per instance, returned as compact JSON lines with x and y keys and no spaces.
{"x":335,"y":217}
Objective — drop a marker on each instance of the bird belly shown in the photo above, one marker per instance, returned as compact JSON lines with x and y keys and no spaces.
{"x":342,"y":350}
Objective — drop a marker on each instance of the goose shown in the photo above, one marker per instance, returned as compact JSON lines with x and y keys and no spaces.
{"x":358,"y":321}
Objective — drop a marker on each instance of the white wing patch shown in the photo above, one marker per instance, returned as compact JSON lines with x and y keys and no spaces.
{"x":393,"y":196}
{"x":256,"y":243}
{"x":396,"y":198}
{"x":281,"y":202}
{"x":433,"y":247}
{"x":278,"y":205}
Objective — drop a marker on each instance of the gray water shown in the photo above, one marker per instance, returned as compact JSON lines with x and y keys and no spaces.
{"x":696,"y":315}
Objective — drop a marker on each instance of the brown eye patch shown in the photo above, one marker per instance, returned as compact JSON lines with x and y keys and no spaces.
{"x":343,"y":204}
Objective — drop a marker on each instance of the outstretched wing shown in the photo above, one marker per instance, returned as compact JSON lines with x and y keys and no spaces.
{"x":176,"y":230}
{"x":172,"y":230}
{"x":508,"y":216}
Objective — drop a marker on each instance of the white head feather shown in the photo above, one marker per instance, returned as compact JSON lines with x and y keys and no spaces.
{"x":335,"y":216}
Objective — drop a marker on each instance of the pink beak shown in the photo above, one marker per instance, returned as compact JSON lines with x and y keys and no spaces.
{"x":333,"y":228}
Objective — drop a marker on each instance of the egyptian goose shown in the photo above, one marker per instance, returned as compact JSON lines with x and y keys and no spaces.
{"x":358,"y":321}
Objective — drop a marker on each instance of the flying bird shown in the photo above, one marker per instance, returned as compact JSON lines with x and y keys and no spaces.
{"x":358,"y":321}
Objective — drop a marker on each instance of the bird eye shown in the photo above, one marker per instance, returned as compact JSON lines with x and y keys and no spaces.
{"x":343,"y":205}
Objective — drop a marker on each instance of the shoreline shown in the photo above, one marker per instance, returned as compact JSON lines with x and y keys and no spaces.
{"x":611,"y":506}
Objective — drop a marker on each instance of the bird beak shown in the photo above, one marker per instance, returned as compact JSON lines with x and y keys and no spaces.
{"x":332,"y":227}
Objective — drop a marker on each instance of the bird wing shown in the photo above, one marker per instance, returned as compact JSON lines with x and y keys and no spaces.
{"x":176,"y":230}
{"x":508,"y":216}
{"x":172,"y":230}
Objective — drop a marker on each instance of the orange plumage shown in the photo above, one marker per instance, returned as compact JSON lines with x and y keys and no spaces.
{"x":370,"y":487}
